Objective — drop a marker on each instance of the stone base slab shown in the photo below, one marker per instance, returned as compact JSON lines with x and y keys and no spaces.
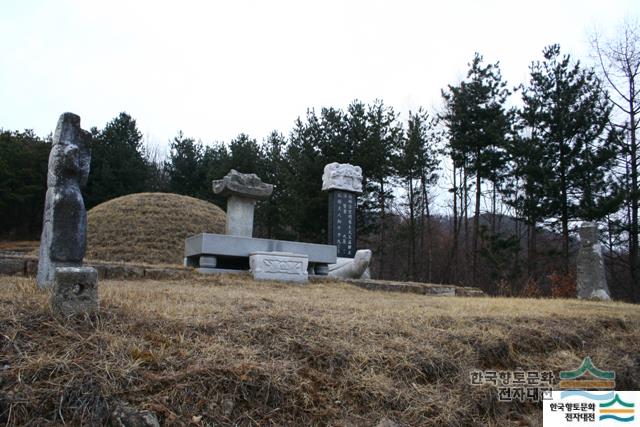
{"x":75,"y":291}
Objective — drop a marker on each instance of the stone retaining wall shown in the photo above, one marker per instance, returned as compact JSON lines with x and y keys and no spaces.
{"x":28,"y":266}
{"x":416,"y":288}
{"x":21,"y":265}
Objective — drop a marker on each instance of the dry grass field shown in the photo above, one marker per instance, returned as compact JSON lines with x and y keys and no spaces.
{"x":149,"y":227}
{"x":221,"y":350}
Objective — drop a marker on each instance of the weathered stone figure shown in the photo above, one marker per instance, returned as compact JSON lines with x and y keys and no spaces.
{"x":64,"y":228}
{"x":591,"y":278}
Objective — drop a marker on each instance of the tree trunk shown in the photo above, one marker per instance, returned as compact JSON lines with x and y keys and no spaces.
{"x":382,"y":201}
{"x":633,"y":232}
{"x":532,"y":260}
{"x":564,"y":211}
{"x":412,"y":233}
{"x":494,"y":198}
{"x":456,"y":232}
{"x":476,"y":231}
{"x":466,"y":223}
{"x":426,"y":212}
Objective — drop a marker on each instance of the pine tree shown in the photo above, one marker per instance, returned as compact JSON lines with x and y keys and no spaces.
{"x":270,"y":214}
{"x":570,"y":111}
{"x":478,"y":124}
{"x":118,"y":165}
{"x":619,"y":60}
{"x":186,"y":168}
{"x":377,"y":154}
{"x":305,"y":203}
{"x":23,"y":183}
{"x":418,"y":165}
{"x":244,"y":154}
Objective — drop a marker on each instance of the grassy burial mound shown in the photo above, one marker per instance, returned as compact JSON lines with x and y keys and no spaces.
{"x":149,"y":227}
{"x":225,"y":351}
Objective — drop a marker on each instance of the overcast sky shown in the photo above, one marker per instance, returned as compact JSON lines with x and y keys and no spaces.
{"x":217,"y":68}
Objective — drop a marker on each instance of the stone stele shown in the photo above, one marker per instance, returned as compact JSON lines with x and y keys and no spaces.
{"x":242,"y":190}
{"x":591,"y":278}
{"x":279,"y":266}
{"x":342,"y":176}
{"x":75,"y":291}
{"x":64,"y":228}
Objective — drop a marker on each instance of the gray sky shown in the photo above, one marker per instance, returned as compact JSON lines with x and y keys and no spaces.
{"x":217,"y":68}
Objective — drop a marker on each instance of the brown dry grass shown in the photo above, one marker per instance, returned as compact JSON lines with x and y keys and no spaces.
{"x":149,"y":227}
{"x":230,"y":351}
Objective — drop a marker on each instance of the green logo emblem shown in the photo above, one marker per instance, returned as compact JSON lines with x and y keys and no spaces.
{"x":587,"y":377}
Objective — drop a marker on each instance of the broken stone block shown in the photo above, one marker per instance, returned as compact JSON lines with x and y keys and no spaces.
{"x":75,"y":291}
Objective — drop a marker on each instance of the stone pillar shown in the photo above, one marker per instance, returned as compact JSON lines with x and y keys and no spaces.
{"x":64,"y":228}
{"x":240,"y":216}
{"x":243,"y":191}
{"x":591,"y":277}
{"x":344,"y":183}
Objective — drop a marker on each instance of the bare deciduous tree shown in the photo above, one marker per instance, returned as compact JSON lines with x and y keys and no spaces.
{"x":619,"y":60}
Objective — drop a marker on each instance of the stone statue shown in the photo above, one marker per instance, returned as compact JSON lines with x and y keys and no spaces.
{"x":352,"y":268}
{"x":342,"y":176}
{"x":64,"y":228}
{"x":591,"y":278}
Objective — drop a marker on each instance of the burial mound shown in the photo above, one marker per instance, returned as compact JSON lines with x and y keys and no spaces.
{"x":149,"y":227}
